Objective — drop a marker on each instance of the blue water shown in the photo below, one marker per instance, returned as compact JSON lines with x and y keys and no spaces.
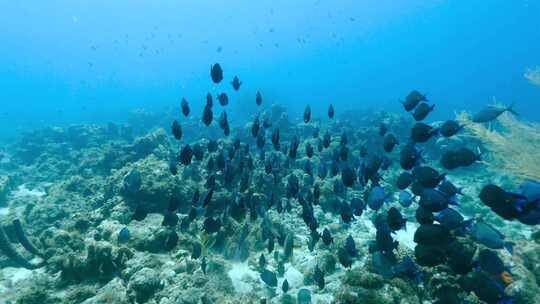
{"x":93,"y":61}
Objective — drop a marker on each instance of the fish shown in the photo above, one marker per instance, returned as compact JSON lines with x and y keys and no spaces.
{"x":424,"y":216}
{"x":207,"y":116}
{"x":269,"y":278}
{"x":185,"y":156}
{"x":486,"y":288}
{"x":429,"y":255}
{"x":346,"y":212}
{"x":404,"y":180}
{"x":433,"y":200}
{"x":203,"y":265}
{"x":171,"y":240}
{"x":224,"y":123}
{"x":405,"y":199}
{"x":223,"y":99}
{"x":350,"y":246}
{"x":488,"y":236}
{"x":450,"y":128}
{"x":196,"y":251}
{"x":209,"y":101}
{"x":422,"y":110}
{"x":307,"y":114}
{"x":412,"y":100}
{"x":123,"y":236}
{"x":318,"y":277}
{"x":170,"y":219}
{"x":258,"y":99}
{"x":449,"y":189}
{"x":309,"y":150}
{"x":198,"y":152}
{"x":212,"y":225}
{"x":427,"y":176}
{"x":421,"y":132}
{"x":236,"y":83}
{"x":344,"y":258}
{"x":376,"y":198}
{"x":326,"y":139}
{"x":173,"y":165}
{"x":262,"y":261}
{"x":491,"y":113}
{"x":409,"y":157}
{"x":285,"y":286}
{"x":327,"y":237}
{"x":212,"y":145}
{"x":255,"y":127}
{"x":395,"y":220}
{"x":407,"y":269}
{"x":389,"y":142}
{"x":382,"y":129}
{"x":383,"y":239}
{"x":184,"y":105}
{"x":331,"y":111}
{"x":216,"y":73}
{"x":348,"y":176}
{"x":450,"y":218}
{"x":432,"y":235}
{"x":459,"y":157}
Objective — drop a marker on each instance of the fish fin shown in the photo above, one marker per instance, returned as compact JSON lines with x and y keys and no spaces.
{"x":509,"y":246}
{"x":511,"y":110}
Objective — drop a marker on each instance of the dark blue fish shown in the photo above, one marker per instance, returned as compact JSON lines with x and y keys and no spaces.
{"x":491,"y":113}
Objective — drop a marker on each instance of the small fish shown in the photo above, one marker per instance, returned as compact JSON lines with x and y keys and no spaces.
{"x":209,"y":100}
{"x":236,"y":83}
{"x":258,"y":98}
{"x":307,"y":114}
{"x":350,"y":246}
{"x":331,"y":111}
{"x":223,"y":99}
{"x":383,"y":129}
{"x":491,"y":113}
{"x":409,"y":157}
{"x":422,"y":110}
{"x":197,"y":251}
{"x":427,"y":176}
{"x":395,"y":220}
{"x":459,"y":157}
{"x":404,"y":180}
{"x":376,"y":198}
{"x":412,"y":100}
{"x":212,"y":225}
{"x":405,"y":199}
{"x":176,"y":130}
{"x":216,"y":73}
{"x":421,"y":132}
{"x":389,"y":142}
{"x":450,"y":218}
{"x":207,"y":116}
{"x":269,"y":278}
{"x":348,"y":176}
{"x":318,"y":277}
{"x":203,"y":265}
{"x":488,"y":236}
{"x":424,"y":216}
{"x":123,"y":236}
{"x":344,"y":258}
{"x":185,"y":155}
{"x":450,"y":128}
{"x":285,"y":286}
{"x":170,"y":219}
{"x":432,"y":235}
{"x":327,"y":237}
{"x":433,"y":200}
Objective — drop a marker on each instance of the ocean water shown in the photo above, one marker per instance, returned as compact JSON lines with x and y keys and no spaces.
{"x":90,"y":90}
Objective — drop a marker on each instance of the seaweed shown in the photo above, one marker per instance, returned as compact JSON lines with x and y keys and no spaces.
{"x":514,"y":145}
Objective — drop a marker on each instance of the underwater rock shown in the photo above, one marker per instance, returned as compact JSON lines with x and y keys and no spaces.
{"x":359,"y":277}
{"x":144,"y":284}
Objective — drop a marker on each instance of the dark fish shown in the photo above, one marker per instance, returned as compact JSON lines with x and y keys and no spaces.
{"x":198,"y":152}
{"x":285,"y":286}
{"x":433,"y":200}
{"x":350,"y":246}
{"x":395,"y":220}
{"x":307,"y":114}
{"x":209,"y":100}
{"x":318,"y":277}
{"x":448,"y":188}
{"x":255,"y":127}
{"x":197,"y":250}
{"x":421,"y":132}
{"x":376,"y":198}
{"x":459,"y":157}
{"x":211,"y":225}
{"x":171,"y":240}
{"x":294,"y":147}
{"x":424,"y":216}
{"x":258,"y":98}
{"x":269,"y":278}
{"x":427,"y":176}
{"x":327,"y":237}
{"x":203,"y":265}
{"x":170,"y":219}
{"x":486,"y":288}
{"x":208,"y":197}
{"x":358,"y":206}
{"x":383,"y":239}
{"x":309,"y":150}
{"x":404,"y":180}
{"x":331,"y":112}
{"x":216,"y":73}
{"x":412,"y":100}
{"x":223,"y":99}
{"x":389,"y":142}
{"x":433,"y":235}
{"x":422,"y":111}
{"x":224,"y":123}
{"x":429,"y":255}
{"x":348,"y":176}
{"x":236,"y":83}
{"x":344,"y":258}
{"x":322,"y":170}
{"x":173,"y":165}
{"x":326,"y":139}
{"x":176,"y":130}
{"x":409,"y":157}
{"x":212,"y":145}
{"x":262,"y":261}
{"x":185,"y":155}
{"x":207,"y":115}
{"x":490,"y":262}
{"x":450,"y":218}
{"x":185,"y":107}
{"x":123,"y":236}
{"x":346,"y":212}
{"x":407,"y":269}
{"x":275,"y":139}
{"x":491,"y":113}
{"x":261,"y":139}
{"x":450,"y":128}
